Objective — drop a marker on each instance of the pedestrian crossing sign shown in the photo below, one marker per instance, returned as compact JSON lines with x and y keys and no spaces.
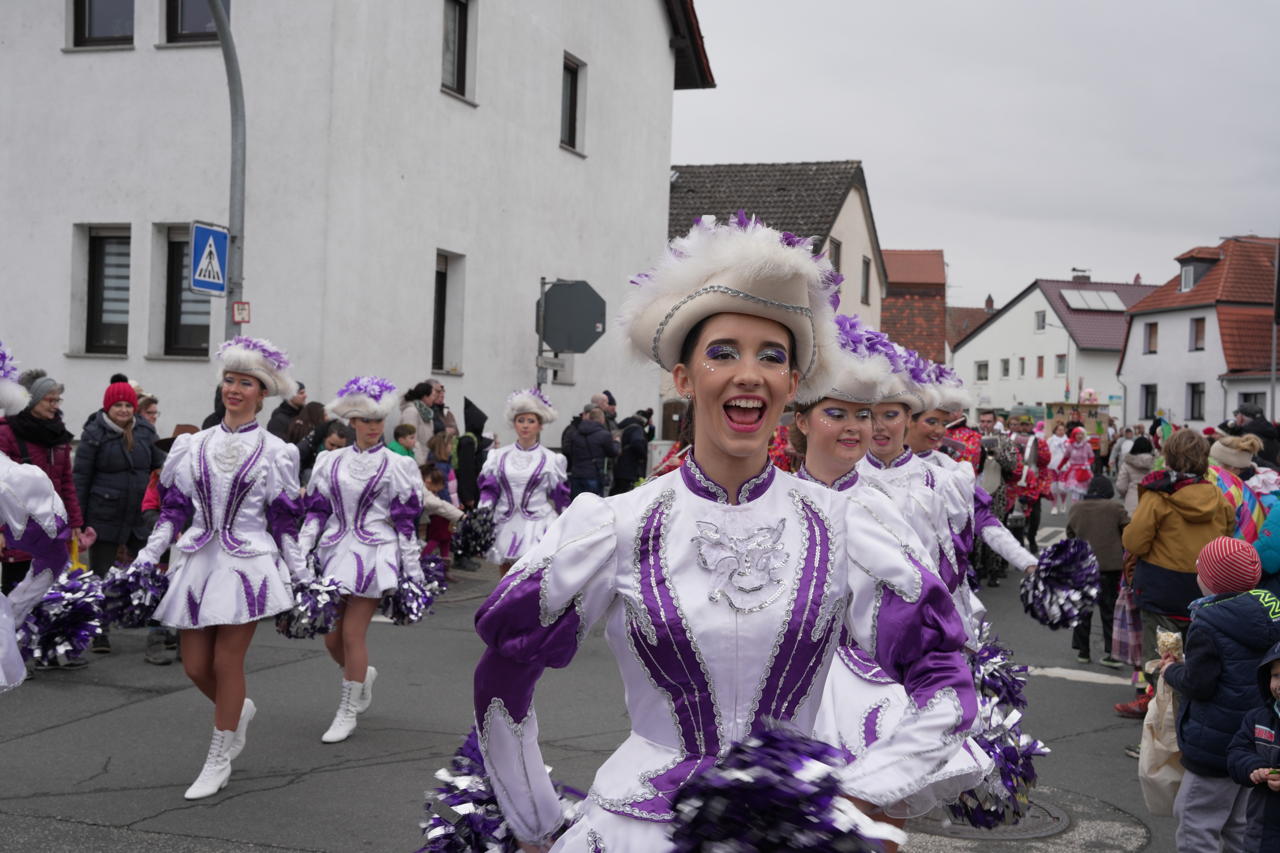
{"x":208,"y":270}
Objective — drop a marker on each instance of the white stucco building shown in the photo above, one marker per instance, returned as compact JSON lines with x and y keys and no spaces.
{"x":1050,"y":342}
{"x":414,"y":168}
{"x":1199,"y":345}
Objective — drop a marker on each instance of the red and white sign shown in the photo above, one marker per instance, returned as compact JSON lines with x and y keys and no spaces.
{"x":240,"y":312}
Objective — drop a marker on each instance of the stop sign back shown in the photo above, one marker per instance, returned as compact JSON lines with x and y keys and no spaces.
{"x":573,"y":316}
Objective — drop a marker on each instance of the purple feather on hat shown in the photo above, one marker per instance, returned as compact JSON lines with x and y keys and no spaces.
{"x":8,"y":364}
{"x":274,"y":357}
{"x":373,"y":387}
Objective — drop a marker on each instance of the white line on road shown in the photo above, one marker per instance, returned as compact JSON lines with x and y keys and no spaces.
{"x":1078,"y":675}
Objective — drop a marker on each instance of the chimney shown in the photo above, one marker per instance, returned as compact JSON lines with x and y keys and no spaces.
{"x":990,"y":305}
{"x":1078,"y":274}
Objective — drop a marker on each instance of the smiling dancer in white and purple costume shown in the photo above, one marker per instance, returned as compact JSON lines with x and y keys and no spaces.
{"x":525,"y":483}
{"x":230,"y":508}
{"x":862,"y":704}
{"x":723,"y":585}
{"x":362,"y":516}
{"x":32,"y":518}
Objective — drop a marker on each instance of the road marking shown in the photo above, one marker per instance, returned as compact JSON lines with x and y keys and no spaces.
{"x":1083,"y":675}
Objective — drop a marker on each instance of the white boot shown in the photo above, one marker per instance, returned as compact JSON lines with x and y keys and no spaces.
{"x":365,"y":694}
{"x":344,"y":722}
{"x":247,"y":712}
{"x":217,"y":768}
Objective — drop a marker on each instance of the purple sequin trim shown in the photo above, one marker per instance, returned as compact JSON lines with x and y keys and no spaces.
{"x":368,"y":496}
{"x":335,"y":490}
{"x":530,"y":488}
{"x":239,"y":490}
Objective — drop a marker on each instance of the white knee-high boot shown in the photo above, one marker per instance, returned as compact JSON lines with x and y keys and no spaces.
{"x":344,"y":721}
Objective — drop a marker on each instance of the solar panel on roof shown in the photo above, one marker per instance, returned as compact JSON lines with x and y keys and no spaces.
{"x":1075,"y":300}
{"x":1092,"y":300}
{"x":1111,"y":300}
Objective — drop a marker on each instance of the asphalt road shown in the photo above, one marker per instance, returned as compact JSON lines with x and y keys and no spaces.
{"x":97,"y":759}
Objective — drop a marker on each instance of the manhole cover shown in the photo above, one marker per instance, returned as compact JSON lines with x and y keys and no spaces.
{"x":1043,"y":819}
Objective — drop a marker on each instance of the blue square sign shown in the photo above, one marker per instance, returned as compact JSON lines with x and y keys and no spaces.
{"x":208,"y":259}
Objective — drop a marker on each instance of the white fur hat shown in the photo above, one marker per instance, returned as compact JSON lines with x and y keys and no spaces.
{"x":260,"y":359}
{"x":908,"y":381}
{"x":13,"y":397}
{"x":948,"y":389}
{"x":529,"y":401}
{"x":369,"y":397}
{"x":853,"y":370}
{"x":741,"y":267}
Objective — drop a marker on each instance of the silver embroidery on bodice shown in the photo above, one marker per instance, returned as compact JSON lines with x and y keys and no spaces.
{"x":747,"y":571}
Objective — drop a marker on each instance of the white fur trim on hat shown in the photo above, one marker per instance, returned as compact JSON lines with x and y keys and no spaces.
{"x":259,"y":358}
{"x":370,"y":397}
{"x":740,"y":267}
{"x":842,"y":375}
{"x":529,"y":401}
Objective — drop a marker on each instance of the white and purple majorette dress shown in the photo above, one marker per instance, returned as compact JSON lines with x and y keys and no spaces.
{"x":527,"y":488}
{"x":230,"y":498}
{"x":361,"y":515}
{"x":32,"y":518}
{"x":863,"y":704}
{"x":722,"y":617}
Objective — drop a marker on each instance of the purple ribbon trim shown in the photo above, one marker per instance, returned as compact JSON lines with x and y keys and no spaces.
{"x":335,"y":491}
{"x":47,"y":554}
{"x":531,"y":486}
{"x":368,"y":495}
{"x":240,"y":488}
{"x":561,"y":497}
{"x":284,"y":517}
{"x":404,"y":515}
{"x":488,"y":486}
{"x":204,"y":494}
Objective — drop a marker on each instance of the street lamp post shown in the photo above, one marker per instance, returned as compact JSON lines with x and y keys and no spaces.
{"x":235,"y":207}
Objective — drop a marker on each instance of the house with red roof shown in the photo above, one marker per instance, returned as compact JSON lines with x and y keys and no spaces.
{"x":914,"y":310}
{"x":1049,"y":343}
{"x":1199,"y":345}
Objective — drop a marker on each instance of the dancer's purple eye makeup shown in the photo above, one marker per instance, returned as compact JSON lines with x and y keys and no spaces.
{"x":836,"y":414}
{"x":720,"y":352}
{"x":776,"y":354}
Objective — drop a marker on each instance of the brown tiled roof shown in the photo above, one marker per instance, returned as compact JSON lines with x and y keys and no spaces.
{"x":962,"y":321}
{"x":803,"y":198}
{"x":1245,"y":332}
{"x":1246,"y":273}
{"x":1096,"y":330}
{"x":917,"y":322}
{"x":915,"y":266}
{"x":1201,"y":253}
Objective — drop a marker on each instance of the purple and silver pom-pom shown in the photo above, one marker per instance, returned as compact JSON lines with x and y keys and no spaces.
{"x":130,"y":594}
{"x":8,"y":364}
{"x":65,"y":621}
{"x":475,"y":533}
{"x":776,"y":790}
{"x":412,"y":599}
{"x":479,"y":826}
{"x":1065,"y":585}
{"x":1003,"y":797}
{"x":373,"y":387}
{"x":995,"y":674}
{"x":314,"y":611}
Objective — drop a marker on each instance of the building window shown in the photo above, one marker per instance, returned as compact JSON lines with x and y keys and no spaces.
{"x":980,"y":371}
{"x":1004,"y":368}
{"x":1040,"y":321}
{"x":1195,"y":401}
{"x":455,"y":46}
{"x":103,"y":22}
{"x":190,"y":20}
{"x":1060,"y":364}
{"x":833,"y":253}
{"x":1188,"y":279}
{"x":1148,"y":401}
{"x":570,"y":103}
{"x":439,"y":314}
{"x":186,"y":314}
{"x":1022,"y":366}
{"x":1253,"y":398}
{"x":1150,"y":337}
{"x":1197,"y":334}
{"x":1039,"y":367}
{"x":107,"y":329}
{"x":866,"y":280}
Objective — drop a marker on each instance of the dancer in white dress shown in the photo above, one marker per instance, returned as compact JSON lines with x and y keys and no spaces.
{"x":361,"y":518}
{"x":724,"y":585}
{"x":230,"y":512}
{"x":525,"y":483}
{"x":32,"y":518}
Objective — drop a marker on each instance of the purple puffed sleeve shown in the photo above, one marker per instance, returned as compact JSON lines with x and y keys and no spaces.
{"x":176,"y":508}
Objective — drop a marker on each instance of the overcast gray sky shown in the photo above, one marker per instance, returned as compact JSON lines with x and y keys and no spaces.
{"x":1023,"y":138}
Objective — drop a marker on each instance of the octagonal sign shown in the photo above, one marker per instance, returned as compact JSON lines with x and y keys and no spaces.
{"x":573,"y":316}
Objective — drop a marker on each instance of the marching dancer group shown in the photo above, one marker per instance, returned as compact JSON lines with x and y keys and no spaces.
{"x":827,"y":613}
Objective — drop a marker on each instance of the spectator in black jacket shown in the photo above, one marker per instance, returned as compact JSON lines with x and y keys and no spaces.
{"x":633,"y":455}
{"x":112,"y":467}
{"x":588,"y":445}
{"x":284,"y":414}
{"x":1254,"y":757}
{"x":471,"y":450}
{"x":1249,"y":420}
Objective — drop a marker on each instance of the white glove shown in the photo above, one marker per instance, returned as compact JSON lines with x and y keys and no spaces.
{"x":410,"y":558}
{"x":159,"y":541}
{"x":309,"y":536}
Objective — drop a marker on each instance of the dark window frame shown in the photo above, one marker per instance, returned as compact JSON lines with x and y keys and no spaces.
{"x":1005,"y":367}
{"x":865,"y":294}
{"x":1041,"y":321}
{"x":95,"y":329}
{"x":981,"y":371}
{"x":570,"y":82}
{"x":834,"y":248}
{"x":173,"y":32}
{"x":1195,"y":401}
{"x":438,"y":318}
{"x":1060,"y":365}
{"x":1150,"y":338}
{"x":1150,"y":395}
{"x":461,"y":14}
{"x":175,"y":290}
{"x":81,"y":36}
{"x":1198,"y":328}
{"x":1039,"y":367}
